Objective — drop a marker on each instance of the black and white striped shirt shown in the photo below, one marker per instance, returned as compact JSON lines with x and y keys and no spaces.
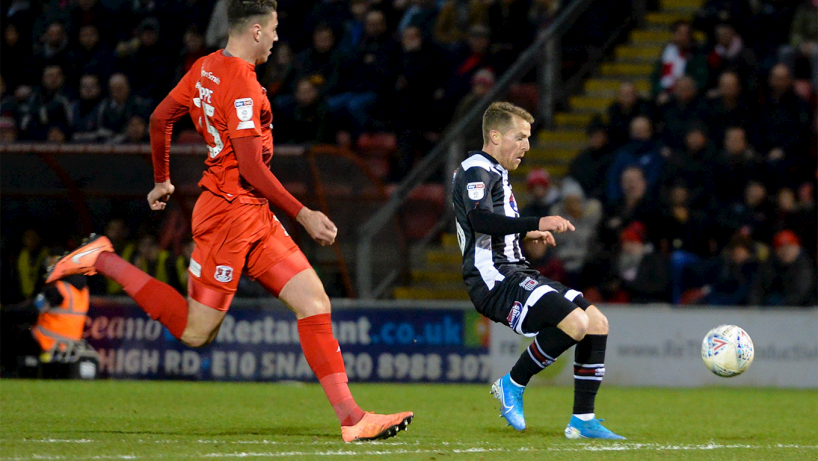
{"x":481,"y":190}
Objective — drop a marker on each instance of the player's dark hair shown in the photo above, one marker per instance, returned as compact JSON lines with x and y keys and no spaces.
{"x":500,"y":116}
{"x":241,"y":12}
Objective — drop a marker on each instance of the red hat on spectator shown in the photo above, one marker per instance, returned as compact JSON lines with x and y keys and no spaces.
{"x":785,"y":237}
{"x":538,"y":177}
{"x":635,"y":232}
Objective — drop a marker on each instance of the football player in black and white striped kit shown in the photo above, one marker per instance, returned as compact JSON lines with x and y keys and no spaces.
{"x":504,"y":288}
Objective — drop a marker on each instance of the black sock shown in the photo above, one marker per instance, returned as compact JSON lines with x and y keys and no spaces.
{"x":589,"y":368}
{"x":549,"y":343}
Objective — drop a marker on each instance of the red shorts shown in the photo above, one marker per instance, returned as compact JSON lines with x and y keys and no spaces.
{"x":233,"y":237}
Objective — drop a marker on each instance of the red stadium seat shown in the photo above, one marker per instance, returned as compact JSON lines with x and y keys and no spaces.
{"x":377,"y":144}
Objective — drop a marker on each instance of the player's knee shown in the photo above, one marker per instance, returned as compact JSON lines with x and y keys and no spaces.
{"x":195,"y":340}
{"x":316,"y":304}
{"x":598,"y":323}
{"x":575,"y":325}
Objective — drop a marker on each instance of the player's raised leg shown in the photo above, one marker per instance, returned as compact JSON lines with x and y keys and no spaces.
{"x":188,"y":320}
{"x":548,"y":344}
{"x":589,"y":369}
{"x":304,"y":293}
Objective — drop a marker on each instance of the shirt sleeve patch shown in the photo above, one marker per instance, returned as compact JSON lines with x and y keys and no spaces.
{"x":244,"y":109}
{"x":246,"y":125}
{"x":477,"y":190}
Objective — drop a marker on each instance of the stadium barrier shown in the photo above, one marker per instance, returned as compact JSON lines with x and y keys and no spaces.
{"x":443,"y":342}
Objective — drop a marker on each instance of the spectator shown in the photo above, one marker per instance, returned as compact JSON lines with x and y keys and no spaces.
{"x":683,"y":110}
{"x":730,"y":54}
{"x":136,"y":132}
{"x":31,"y":263}
{"x":91,"y":13}
{"x":8,"y":130}
{"x":771,"y":28}
{"x":783,"y":127}
{"x":679,"y":57}
{"x":19,"y":106}
{"x":642,"y":272}
{"x":366,"y":73}
{"x":322,"y":59}
{"x":730,"y":279}
{"x":642,"y":150}
{"x":14,"y":49}
{"x":482,"y":83}
{"x":621,"y":113}
{"x":729,"y":107}
{"x":788,"y":278}
{"x":216,"y":34}
{"x":354,"y":27}
{"x":574,"y":247}
{"x":541,"y":196}
{"x":590,"y":167}
{"x":713,"y":12}
{"x":187,"y":15}
{"x":92,"y":56}
{"x":543,"y":260}
{"x":117,"y":232}
{"x":50,"y":105}
{"x":308,"y":121}
{"x":456,"y":17}
{"x":421,"y":14}
{"x":53,"y":49}
{"x":194,"y":48}
{"x":145,"y":62}
{"x":752,"y":216}
{"x":804,"y":39}
{"x":739,"y":164}
{"x":84,"y":111}
{"x":511,"y":32}
{"x":695,"y":167}
{"x":633,"y":205}
{"x":156,"y":262}
{"x":119,"y":107}
{"x":468,"y":59}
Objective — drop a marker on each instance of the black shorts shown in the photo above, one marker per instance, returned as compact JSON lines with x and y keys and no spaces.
{"x":522,"y":290}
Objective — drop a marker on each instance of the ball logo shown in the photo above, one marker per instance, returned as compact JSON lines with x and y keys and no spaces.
{"x":514,"y":315}
{"x":718,"y":344}
{"x":224,"y":274}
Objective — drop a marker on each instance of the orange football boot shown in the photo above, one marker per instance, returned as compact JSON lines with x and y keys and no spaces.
{"x":81,"y":260}
{"x":374,"y":426}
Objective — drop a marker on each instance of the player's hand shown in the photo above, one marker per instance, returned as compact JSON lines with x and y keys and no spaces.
{"x":318,"y":225}
{"x":159,"y":196}
{"x":556,"y":224}
{"x":545,"y":238}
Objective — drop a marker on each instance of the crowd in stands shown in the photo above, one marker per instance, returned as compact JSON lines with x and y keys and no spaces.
{"x":704,"y":193}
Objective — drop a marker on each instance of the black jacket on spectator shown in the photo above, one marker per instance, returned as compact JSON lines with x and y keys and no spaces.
{"x":150,"y":72}
{"x":98,"y":61}
{"x":652,"y":282}
{"x":619,"y":120}
{"x":697,"y":170}
{"x":590,"y":169}
{"x":677,"y":118}
{"x":370,"y":67}
{"x":785,"y":285}
{"x":783,"y":123}
{"x":719,"y":117}
{"x":758,"y":220}
{"x":46,"y":109}
{"x":733,"y":173}
{"x":730,"y":283}
{"x":113,"y":117}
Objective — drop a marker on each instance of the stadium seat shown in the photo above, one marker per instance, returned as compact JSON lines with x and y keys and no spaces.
{"x":377,"y":144}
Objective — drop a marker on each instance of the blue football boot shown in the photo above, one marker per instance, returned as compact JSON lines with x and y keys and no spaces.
{"x":511,"y":399}
{"x":579,"y":429}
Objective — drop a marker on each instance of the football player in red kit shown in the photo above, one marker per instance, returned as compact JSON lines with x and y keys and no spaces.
{"x":234,"y":229}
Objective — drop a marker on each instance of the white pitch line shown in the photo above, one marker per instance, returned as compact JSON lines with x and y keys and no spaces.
{"x":470,"y":450}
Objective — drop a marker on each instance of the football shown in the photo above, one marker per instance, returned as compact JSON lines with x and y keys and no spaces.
{"x":727,"y":350}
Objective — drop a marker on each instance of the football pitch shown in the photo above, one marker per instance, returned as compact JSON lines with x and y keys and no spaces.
{"x":110,"y":420}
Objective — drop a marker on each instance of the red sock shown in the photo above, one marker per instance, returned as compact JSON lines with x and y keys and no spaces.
{"x":324,"y":356}
{"x":159,"y":300}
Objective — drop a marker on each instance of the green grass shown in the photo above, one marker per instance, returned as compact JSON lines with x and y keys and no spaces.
{"x":181,"y":420}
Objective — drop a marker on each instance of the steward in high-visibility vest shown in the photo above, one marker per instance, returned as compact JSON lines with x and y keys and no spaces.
{"x":63,"y":307}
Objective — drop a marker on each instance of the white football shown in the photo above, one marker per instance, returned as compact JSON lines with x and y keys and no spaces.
{"x":727,"y":350}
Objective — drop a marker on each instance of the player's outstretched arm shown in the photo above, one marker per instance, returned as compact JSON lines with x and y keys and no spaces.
{"x":161,"y":128}
{"x":556,"y":224}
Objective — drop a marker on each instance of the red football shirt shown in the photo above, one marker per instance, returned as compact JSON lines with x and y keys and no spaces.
{"x":226,"y":102}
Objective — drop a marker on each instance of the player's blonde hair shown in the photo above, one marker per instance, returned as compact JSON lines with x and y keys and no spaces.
{"x":241,"y":12}
{"x":500,"y":116}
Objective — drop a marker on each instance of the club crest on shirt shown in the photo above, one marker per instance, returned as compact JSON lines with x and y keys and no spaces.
{"x":529,"y":284}
{"x":514,"y":315}
{"x":477,"y":190}
{"x":244,"y":109}
{"x":224,"y":274}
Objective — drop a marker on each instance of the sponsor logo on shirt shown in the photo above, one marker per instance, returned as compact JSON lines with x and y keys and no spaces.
{"x":514,"y":315}
{"x":223,"y":274}
{"x":211,"y":77}
{"x":513,"y":203}
{"x":477,"y":190}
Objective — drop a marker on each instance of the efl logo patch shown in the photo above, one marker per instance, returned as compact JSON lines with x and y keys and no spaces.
{"x":477,"y":190}
{"x":244,"y":111}
{"x":514,"y":315}
{"x":224,"y":274}
{"x":529,"y":284}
